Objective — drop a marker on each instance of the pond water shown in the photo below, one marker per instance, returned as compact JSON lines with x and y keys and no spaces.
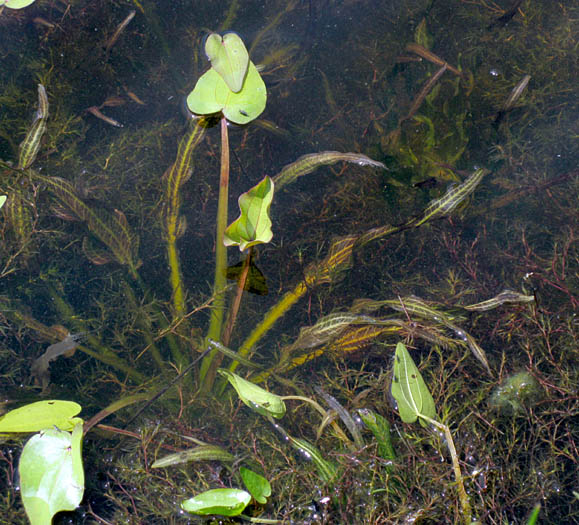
{"x":468,"y":110}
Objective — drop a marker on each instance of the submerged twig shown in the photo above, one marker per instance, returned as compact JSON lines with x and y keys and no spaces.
{"x":120,"y":28}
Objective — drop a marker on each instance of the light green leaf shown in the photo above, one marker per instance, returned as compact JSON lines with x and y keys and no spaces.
{"x":262,"y":401}
{"x":229,"y":58}
{"x":40,"y":415}
{"x":211,"y":95}
{"x":2,"y":200}
{"x":257,"y":485}
{"x":16,"y":4}
{"x":225,"y":502}
{"x":253,"y":225}
{"x":51,"y":473}
{"x":409,"y":389}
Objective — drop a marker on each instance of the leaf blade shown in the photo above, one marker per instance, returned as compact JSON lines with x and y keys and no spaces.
{"x":409,"y":389}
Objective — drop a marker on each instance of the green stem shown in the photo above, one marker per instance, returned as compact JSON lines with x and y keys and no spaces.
{"x":210,"y":363}
{"x":463,"y":496}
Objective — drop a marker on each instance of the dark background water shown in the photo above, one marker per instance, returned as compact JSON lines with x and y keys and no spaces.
{"x":339,"y":77}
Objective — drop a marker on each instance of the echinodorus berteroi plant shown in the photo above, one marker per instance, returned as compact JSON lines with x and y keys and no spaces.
{"x":234,"y":89}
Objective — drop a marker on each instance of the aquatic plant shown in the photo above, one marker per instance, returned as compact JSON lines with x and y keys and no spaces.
{"x":337,"y":83}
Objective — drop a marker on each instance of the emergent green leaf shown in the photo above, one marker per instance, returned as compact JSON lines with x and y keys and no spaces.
{"x":262,"y":401}
{"x":51,"y":473}
{"x":409,"y":389}
{"x":41,"y":415}
{"x":211,"y":95}
{"x":229,"y":58}
{"x":253,"y":225}
{"x":257,"y":485}
{"x":225,"y":502}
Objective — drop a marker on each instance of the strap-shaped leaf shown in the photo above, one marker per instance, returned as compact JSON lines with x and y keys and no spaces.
{"x":409,"y":389}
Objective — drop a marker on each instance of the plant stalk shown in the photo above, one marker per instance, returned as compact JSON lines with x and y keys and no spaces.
{"x":210,"y":364}
{"x":462,"y":495}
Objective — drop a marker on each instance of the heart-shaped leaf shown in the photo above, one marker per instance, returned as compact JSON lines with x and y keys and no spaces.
{"x":257,"y":485}
{"x":262,"y":401}
{"x":40,"y":415}
{"x":409,"y":389}
{"x":51,"y":473}
{"x":211,"y":95}
{"x":225,"y":502}
{"x":229,"y":58}
{"x":253,"y":226}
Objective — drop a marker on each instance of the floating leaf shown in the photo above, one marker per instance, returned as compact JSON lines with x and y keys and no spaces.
{"x":229,"y":58}
{"x":51,"y":473}
{"x":262,"y":401}
{"x":225,"y":502}
{"x":41,"y":415}
{"x":257,"y":485}
{"x":212,"y":95}
{"x":409,"y":389}
{"x":253,"y":226}
{"x":16,"y":4}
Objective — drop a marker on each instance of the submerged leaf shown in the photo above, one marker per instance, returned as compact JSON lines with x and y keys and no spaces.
{"x":308,"y":163}
{"x":381,"y":430}
{"x":409,"y":389}
{"x":326,"y":469}
{"x":254,"y":283}
{"x":31,"y":144}
{"x":200,"y":453}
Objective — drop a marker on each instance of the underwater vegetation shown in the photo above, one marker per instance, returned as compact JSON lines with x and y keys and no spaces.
{"x":386,"y":331}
